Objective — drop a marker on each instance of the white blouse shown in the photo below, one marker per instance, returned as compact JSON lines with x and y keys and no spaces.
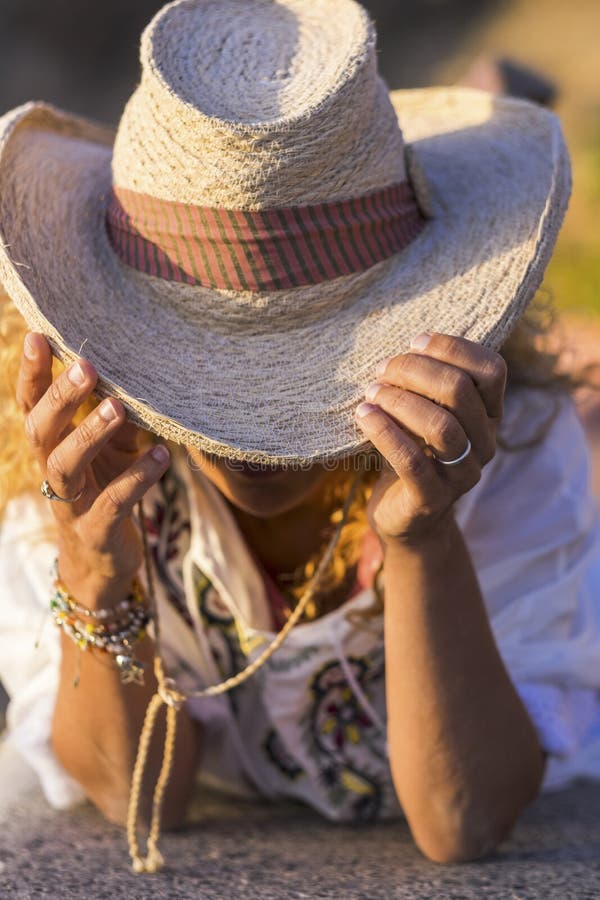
{"x":311,"y":724}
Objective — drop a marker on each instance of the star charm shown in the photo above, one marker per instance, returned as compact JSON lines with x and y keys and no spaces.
{"x":132,"y":671}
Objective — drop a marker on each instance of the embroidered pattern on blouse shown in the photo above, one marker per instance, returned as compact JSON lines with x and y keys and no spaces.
{"x":293,"y":660}
{"x":278,"y":754}
{"x":221,"y":629}
{"x":342,"y":739}
{"x":168,"y":529}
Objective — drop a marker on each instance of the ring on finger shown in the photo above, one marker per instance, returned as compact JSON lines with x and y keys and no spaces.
{"x":459,"y":459}
{"x":52,"y":495}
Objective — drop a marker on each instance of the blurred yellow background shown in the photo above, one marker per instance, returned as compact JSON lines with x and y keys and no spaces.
{"x":562,"y":40}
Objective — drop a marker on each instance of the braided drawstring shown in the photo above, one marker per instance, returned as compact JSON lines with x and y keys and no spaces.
{"x":167,"y":694}
{"x":173,"y":700}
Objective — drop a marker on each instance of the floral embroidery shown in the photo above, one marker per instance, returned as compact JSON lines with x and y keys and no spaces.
{"x":344,"y":719}
{"x":221,"y":630}
{"x":346,"y":744}
{"x":168,"y":529}
{"x":364,"y":791}
{"x":278,"y":754}
{"x":212,"y":608}
{"x":281,"y":663}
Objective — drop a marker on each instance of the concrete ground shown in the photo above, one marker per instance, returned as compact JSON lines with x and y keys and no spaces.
{"x":247,"y":850}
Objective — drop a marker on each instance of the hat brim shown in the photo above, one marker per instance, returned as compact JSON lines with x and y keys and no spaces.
{"x":283,"y":385}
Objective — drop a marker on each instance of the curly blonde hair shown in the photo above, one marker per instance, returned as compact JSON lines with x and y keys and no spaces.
{"x":530,"y":360}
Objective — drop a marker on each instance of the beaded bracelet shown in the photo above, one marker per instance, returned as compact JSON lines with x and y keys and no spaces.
{"x":114,"y":631}
{"x":137,"y":595}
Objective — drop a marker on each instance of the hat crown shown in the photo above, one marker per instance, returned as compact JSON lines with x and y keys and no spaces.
{"x":259,"y":103}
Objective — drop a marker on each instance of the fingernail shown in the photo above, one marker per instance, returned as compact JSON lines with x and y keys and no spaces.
{"x":420,"y":341}
{"x":29,"y":348}
{"x":107,"y":411}
{"x":160,"y":454}
{"x":363,"y":409}
{"x":372,"y":391}
{"x":76,"y":375}
{"x":382,"y":367}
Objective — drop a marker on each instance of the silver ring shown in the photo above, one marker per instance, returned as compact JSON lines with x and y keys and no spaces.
{"x":459,"y":459}
{"x":50,"y":495}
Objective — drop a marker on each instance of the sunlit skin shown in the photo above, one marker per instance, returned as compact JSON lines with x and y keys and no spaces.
{"x":262,"y":490}
{"x":279,"y":509}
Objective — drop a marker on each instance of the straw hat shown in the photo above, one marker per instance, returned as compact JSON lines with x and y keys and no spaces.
{"x":270,"y":222}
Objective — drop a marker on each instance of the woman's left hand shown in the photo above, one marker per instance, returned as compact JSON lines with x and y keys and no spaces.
{"x":428,"y":403}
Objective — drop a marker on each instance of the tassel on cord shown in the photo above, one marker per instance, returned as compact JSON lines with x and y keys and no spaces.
{"x":173,"y":700}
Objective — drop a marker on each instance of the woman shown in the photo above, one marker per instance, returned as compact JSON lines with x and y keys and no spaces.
{"x":258,"y":251}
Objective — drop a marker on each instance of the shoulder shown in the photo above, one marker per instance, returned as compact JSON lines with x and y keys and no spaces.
{"x":540,"y":478}
{"x":527,"y":409}
{"x":541,"y":433}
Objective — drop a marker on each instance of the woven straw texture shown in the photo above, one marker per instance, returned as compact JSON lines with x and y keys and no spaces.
{"x":251,"y":105}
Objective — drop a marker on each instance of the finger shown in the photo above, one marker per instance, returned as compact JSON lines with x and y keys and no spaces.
{"x":436,"y":426}
{"x":118,"y":499}
{"x":403,"y":454}
{"x":67,"y":463}
{"x":51,"y":416}
{"x":486,"y":368}
{"x":125,"y":438}
{"x":447,"y":386}
{"x":35,"y":371}
{"x":427,"y":481}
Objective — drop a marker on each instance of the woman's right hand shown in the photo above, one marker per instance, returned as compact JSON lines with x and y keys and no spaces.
{"x":99,"y":546}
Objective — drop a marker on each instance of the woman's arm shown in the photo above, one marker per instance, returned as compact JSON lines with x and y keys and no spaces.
{"x":96,"y":725}
{"x":95,"y":734}
{"x":464,"y":754}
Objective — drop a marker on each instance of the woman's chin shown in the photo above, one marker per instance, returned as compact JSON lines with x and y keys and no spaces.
{"x":260,"y":489}
{"x":263,"y":498}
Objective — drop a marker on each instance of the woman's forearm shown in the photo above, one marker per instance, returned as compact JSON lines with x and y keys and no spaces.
{"x":464,"y":754}
{"x":95,"y":731}
{"x":96,"y":725}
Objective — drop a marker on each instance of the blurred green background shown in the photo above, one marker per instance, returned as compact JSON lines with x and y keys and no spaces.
{"x":561,"y":40}
{"x":84,"y":57}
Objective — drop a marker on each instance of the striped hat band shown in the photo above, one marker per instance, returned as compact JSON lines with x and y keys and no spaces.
{"x":261,"y":250}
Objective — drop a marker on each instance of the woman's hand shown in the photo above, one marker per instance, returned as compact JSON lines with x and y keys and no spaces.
{"x":427,"y":403}
{"x":100,"y":549}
